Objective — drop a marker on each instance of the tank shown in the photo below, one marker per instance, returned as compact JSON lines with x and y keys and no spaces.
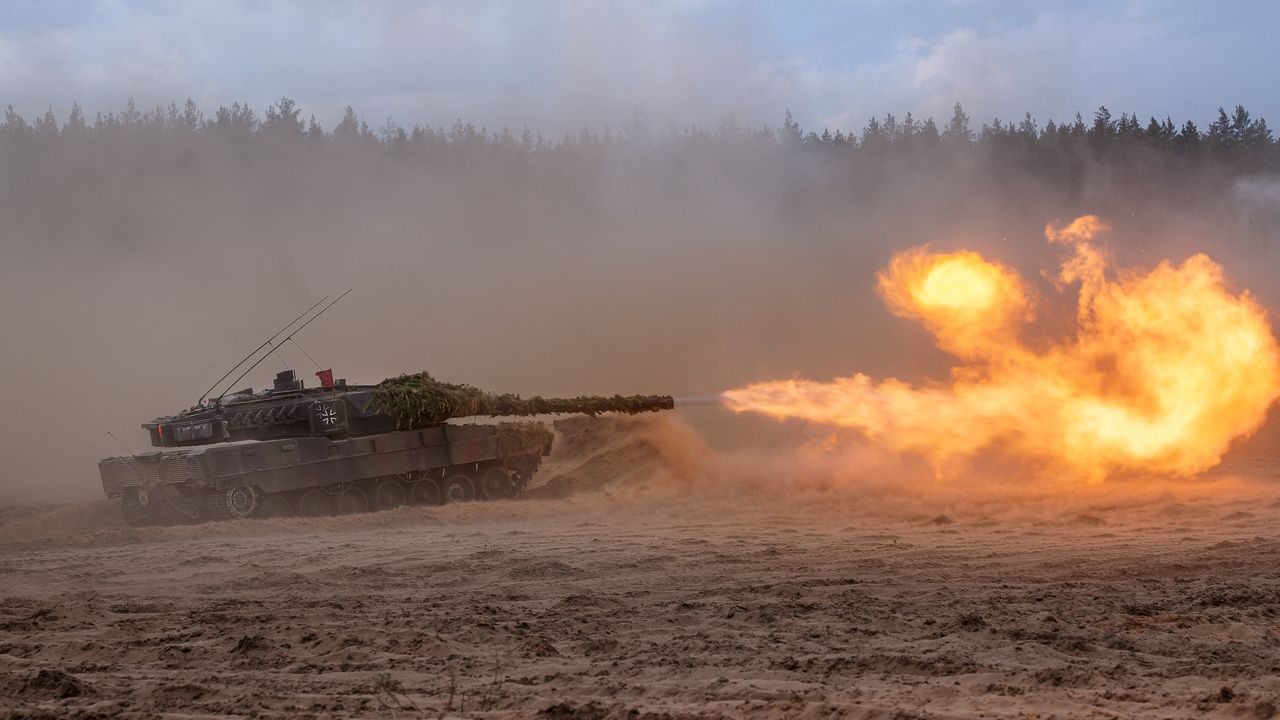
{"x":338,"y":448}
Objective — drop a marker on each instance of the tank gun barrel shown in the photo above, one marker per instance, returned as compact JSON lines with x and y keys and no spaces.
{"x":415,"y":400}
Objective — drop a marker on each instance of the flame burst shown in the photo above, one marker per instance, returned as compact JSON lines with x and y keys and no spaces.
{"x":1165,"y":369}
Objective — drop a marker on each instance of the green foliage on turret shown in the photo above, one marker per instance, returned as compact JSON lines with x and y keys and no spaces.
{"x":419,"y":399}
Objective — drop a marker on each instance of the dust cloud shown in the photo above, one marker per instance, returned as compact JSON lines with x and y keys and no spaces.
{"x":616,"y":469}
{"x":140,"y":263}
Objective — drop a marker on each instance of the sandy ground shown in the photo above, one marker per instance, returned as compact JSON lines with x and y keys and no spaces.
{"x":627,"y":587}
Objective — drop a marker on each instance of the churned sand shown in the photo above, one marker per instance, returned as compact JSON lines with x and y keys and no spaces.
{"x":645,"y":578}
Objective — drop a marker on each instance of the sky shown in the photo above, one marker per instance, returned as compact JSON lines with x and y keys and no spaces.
{"x":559,"y":65}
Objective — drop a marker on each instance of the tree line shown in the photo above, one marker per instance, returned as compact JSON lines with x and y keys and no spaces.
{"x":1239,"y":130}
{"x":1096,"y":163}
{"x":1234,"y":132}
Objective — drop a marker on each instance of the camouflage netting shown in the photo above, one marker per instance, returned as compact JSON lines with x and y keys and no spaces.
{"x":524,"y":437}
{"x":417,"y":400}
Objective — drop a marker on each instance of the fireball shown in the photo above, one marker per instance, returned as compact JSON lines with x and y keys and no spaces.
{"x":1166,"y":366}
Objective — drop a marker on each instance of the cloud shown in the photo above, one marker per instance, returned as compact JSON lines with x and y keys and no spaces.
{"x":561,"y":65}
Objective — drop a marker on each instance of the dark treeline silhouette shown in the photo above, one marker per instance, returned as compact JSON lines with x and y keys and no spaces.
{"x":1235,"y":137}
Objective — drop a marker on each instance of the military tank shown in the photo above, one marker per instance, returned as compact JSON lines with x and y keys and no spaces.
{"x":338,"y":448}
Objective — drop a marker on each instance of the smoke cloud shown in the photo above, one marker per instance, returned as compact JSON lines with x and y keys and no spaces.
{"x":140,"y":264}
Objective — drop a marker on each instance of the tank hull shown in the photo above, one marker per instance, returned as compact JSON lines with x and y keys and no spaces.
{"x":277,"y":477}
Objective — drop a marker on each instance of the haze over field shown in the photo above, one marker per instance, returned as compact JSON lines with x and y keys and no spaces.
{"x":146,"y":255}
{"x":636,"y":197}
{"x":960,"y":314}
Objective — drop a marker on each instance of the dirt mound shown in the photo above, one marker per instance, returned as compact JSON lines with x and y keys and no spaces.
{"x":43,"y":685}
{"x":641,"y":454}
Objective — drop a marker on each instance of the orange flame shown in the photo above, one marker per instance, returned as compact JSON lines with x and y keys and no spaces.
{"x":1165,"y":369}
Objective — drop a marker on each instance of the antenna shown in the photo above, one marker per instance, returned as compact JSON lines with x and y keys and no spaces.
{"x":126,"y":447}
{"x":136,"y":471}
{"x":285,"y":340}
{"x":256,"y":350}
{"x":276,"y":349}
{"x":304,"y":352}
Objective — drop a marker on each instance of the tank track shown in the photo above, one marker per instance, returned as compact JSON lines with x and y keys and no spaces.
{"x":218,"y":505}
{"x":214,"y":507}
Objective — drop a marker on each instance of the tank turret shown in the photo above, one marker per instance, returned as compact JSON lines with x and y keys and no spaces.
{"x":335,"y":409}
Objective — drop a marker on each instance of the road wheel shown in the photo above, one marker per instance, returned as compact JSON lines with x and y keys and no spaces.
{"x":274,"y":506}
{"x":426,"y":492}
{"x":353,"y":501}
{"x":135,"y":513}
{"x":458,"y":488}
{"x":495,"y":484}
{"x":314,"y":503}
{"x":241,"y":501}
{"x":389,"y":494}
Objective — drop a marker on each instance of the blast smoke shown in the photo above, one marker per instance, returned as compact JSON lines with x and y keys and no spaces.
{"x":142,"y":261}
{"x":1165,"y":368}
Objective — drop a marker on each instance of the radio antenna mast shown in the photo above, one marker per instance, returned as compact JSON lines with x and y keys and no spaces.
{"x":285,"y":340}
{"x":256,"y":351}
{"x":135,"y":470}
